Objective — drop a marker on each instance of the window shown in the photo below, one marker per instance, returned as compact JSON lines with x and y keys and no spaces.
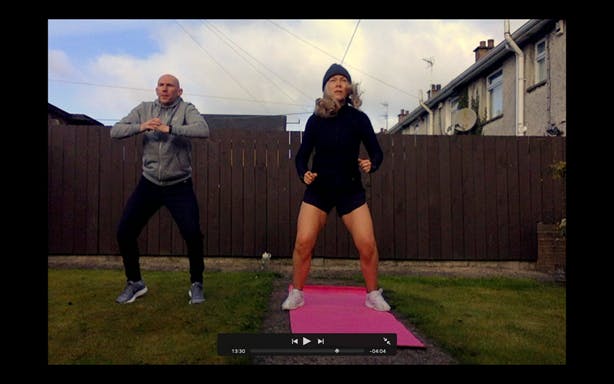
{"x":495,"y":94}
{"x":453,"y":107}
{"x":454,"y":103}
{"x":540,"y":61}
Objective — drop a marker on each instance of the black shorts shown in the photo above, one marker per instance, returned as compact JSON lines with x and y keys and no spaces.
{"x":345,"y":202}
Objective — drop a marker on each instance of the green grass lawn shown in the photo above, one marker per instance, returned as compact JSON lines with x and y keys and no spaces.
{"x":478,"y":321}
{"x":486,"y":321}
{"x":86,"y":326}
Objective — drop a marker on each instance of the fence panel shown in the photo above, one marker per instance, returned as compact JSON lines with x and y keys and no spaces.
{"x":446,"y":229}
{"x":434,"y":193}
{"x":399,"y":197}
{"x":479,"y":200}
{"x":249,"y":196}
{"x":93,"y":190}
{"x":456,"y":198}
{"x":434,"y":198}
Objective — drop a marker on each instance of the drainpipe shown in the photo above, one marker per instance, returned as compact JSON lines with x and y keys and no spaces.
{"x":521,"y":129}
{"x":430,"y":127}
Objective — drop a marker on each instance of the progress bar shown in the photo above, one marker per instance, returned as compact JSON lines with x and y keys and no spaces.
{"x":335,"y":351}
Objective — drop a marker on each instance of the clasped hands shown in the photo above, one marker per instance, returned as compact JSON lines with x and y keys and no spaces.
{"x":155,"y":124}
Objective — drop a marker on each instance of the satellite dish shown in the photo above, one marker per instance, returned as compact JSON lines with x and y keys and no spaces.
{"x":464,"y":119}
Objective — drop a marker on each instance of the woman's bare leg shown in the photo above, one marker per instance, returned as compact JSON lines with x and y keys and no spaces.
{"x":310,"y":221}
{"x":360,"y":226}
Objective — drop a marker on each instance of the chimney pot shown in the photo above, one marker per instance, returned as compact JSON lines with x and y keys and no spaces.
{"x":433,"y":91}
{"x":482,"y":50}
{"x":403,"y":114}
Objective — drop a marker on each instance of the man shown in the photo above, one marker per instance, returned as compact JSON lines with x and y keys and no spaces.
{"x":166,"y":125}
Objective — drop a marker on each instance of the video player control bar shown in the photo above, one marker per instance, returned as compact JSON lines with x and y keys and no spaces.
{"x":234,"y":344}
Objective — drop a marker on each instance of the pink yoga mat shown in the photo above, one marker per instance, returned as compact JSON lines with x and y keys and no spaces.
{"x":338,"y":309}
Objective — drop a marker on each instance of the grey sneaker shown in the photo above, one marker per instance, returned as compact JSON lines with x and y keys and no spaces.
{"x":196,"y":293}
{"x":133,"y":290}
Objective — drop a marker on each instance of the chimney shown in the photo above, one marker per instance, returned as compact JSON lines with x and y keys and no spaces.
{"x":482,"y":50}
{"x":403,"y":114}
{"x":435,"y":88}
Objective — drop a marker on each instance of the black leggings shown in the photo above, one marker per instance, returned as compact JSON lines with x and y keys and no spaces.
{"x":146,"y":199}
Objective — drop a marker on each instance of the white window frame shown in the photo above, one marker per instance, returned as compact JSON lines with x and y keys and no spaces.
{"x":494,"y":84}
{"x":454,"y":103}
{"x":452,"y":108}
{"x":540,"y":61}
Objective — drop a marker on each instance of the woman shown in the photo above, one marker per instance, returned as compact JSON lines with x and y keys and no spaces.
{"x":335,"y":131}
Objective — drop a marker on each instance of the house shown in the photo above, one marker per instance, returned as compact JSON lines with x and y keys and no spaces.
{"x":516,"y":88}
{"x":57,"y":116}
{"x":258,"y":123}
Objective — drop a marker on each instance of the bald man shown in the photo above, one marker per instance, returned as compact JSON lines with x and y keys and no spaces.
{"x":166,"y":124}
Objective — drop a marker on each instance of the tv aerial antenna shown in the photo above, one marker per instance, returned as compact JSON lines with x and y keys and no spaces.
{"x":385,"y":104}
{"x":430,"y":63}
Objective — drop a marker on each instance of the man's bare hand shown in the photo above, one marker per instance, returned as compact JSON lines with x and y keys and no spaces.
{"x":151,"y":125}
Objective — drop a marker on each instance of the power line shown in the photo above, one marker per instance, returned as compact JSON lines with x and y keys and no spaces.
{"x":215,"y":61}
{"x":350,"y":42}
{"x":253,"y":99}
{"x":219,"y":32}
{"x":187,"y":94}
{"x":383,"y":82}
{"x":334,"y":58}
{"x":303,"y":40}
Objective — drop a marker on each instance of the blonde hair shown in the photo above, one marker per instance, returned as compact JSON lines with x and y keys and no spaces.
{"x":326,"y":106}
{"x":355,"y":96}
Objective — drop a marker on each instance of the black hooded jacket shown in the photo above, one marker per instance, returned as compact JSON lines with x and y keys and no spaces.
{"x":336,"y":141}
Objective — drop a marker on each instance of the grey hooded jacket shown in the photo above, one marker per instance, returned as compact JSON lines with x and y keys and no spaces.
{"x":167,"y":158}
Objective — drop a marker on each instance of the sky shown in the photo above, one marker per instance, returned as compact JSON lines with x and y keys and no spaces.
{"x":104,"y":68}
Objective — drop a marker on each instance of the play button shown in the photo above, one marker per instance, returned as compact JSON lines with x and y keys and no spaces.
{"x":306,"y":341}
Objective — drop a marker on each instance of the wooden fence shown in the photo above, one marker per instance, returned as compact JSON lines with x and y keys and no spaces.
{"x":435,"y":198}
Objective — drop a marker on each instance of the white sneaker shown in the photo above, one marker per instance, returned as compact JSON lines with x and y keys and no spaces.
{"x":294,"y":300}
{"x":376,"y":301}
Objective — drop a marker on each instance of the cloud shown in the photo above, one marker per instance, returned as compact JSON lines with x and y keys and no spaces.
{"x":262,"y":66}
{"x":63,"y":28}
{"x":60,"y":66}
